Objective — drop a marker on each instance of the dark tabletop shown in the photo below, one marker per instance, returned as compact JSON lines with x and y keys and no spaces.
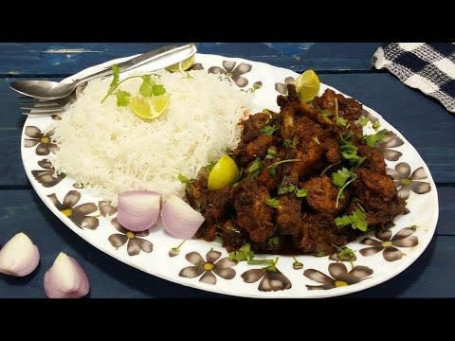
{"x":424,"y":122}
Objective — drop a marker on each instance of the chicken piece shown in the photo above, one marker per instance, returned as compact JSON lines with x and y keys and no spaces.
{"x":253,"y":125}
{"x":322,"y":195}
{"x":379,"y":184}
{"x":348,"y":108}
{"x":233,"y":238}
{"x":378,"y":197}
{"x":312,"y":161}
{"x":333,"y":153}
{"x":320,"y":234}
{"x":246,"y":153}
{"x":253,"y":215}
{"x":374,"y":160}
{"x":288,"y":217}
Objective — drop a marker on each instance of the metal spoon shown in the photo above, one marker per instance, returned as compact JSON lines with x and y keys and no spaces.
{"x":158,"y":59}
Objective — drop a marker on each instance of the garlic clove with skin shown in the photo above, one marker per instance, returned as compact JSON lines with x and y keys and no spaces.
{"x":66,"y":279}
{"x":19,"y":257}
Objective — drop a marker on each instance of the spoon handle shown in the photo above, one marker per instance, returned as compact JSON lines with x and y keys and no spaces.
{"x":156,"y":59}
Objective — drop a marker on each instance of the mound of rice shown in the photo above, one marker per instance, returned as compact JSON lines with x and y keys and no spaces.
{"x":111,"y":150}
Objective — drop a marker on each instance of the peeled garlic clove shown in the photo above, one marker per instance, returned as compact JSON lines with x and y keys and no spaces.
{"x":66,"y":279}
{"x":19,"y":257}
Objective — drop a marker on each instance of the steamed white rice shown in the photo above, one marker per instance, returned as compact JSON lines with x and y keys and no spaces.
{"x":111,"y":150}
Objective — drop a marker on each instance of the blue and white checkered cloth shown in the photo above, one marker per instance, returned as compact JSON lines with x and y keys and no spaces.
{"x":427,"y":67}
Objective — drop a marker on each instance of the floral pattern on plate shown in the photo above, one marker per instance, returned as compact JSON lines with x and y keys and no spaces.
{"x":388,"y":244}
{"x":272,"y":278}
{"x":340,"y":277}
{"x":134,"y":242}
{"x":79,"y":214}
{"x":234,"y":71}
{"x":39,"y":139}
{"x":209,"y":267}
{"x":46,"y":176}
{"x":406,"y":182}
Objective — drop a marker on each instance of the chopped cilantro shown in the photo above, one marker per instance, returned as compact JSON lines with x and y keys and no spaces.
{"x":268,"y":130}
{"x":245,"y":254}
{"x":271,"y":153}
{"x":376,"y":125}
{"x":349,"y":151}
{"x":255,"y":168}
{"x":363,"y":121}
{"x":340,"y":177}
{"x":342,"y":122}
{"x":272,"y":172}
{"x":290,"y":143}
{"x":183,"y":179}
{"x":357,"y":220}
{"x":326,"y":113}
{"x":282,"y":189}
{"x":346,"y":254}
{"x":371,"y":140}
{"x":272,"y":202}
{"x":123,"y":98}
{"x":301,"y":193}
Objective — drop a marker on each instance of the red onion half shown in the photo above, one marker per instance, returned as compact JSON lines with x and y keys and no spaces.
{"x":138,"y":210}
{"x":180,"y":219}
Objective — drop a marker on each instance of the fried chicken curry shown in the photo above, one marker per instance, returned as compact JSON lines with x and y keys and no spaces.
{"x":310,"y":181}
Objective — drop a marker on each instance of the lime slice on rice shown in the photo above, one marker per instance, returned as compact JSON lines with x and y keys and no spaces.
{"x":183,"y":65}
{"x":149,"y":108}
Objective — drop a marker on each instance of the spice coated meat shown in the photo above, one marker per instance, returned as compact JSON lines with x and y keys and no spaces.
{"x":310,"y":181}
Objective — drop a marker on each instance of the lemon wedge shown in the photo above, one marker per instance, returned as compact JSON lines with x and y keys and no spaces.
{"x":182,"y":66}
{"x":149,"y":108}
{"x":307,"y":85}
{"x":223,"y":173}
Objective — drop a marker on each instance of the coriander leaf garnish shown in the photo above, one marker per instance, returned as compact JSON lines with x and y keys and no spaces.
{"x":255,"y":168}
{"x":282,"y":189}
{"x":349,"y":151}
{"x":245,"y":254}
{"x":371,"y":140}
{"x":242,"y":254}
{"x":123,"y":98}
{"x":376,"y":125}
{"x":268,"y":130}
{"x":146,"y":87}
{"x":357,"y":220}
{"x":301,"y":193}
{"x":290,"y":143}
{"x":297,"y":265}
{"x":272,"y":167}
{"x":326,"y":113}
{"x":272,"y":202}
{"x":271,"y":153}
{"x":340,"y":177}
{"x":183,"y":179}
{"x":363,"y":121}
{"x":345,"y":254}
{"x":340,"y":120}
{"x":158,"y":90}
